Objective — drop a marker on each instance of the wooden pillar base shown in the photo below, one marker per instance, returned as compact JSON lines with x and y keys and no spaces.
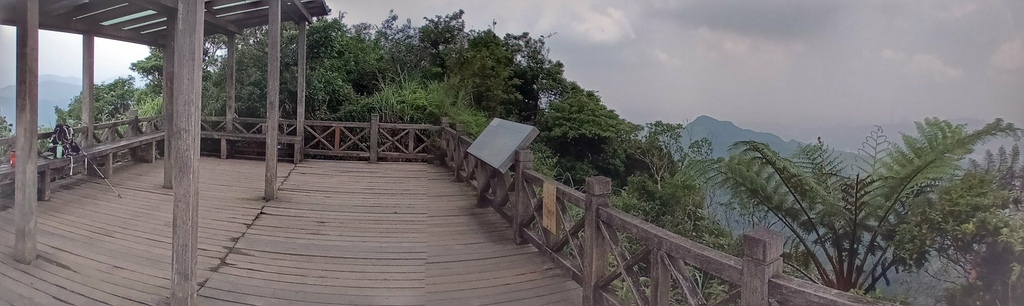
{"x":297,"y":155}
{"x":44,"y":184}
{"x":145,"y":153}
{"x":104,"y":163}
{"x":223,"y":148}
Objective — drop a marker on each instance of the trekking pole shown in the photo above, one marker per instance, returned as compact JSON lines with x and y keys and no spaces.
{"x":100,"y":173}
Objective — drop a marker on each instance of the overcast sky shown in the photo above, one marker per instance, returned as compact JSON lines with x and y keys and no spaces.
{"x":757,"y":63}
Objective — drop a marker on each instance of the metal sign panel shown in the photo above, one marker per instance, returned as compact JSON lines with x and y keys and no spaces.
{"x":550,"y":216}
{"x":497,"y":145}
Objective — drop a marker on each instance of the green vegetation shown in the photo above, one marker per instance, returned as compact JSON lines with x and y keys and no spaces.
{"x":855,"y":225}
{"x":851,"y":224}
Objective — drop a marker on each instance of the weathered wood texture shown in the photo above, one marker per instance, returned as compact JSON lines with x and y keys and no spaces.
{"x":188,"y":79}
{"x":590,"y":248}
{"x":98,"y":249}
{"x":374,"y":137}
{"x":229,"y":104}
{"x":396,"y":234}
{"x":88,"y":81}
{"x":397,"y":142}
{"x":27,"y":105}
{"x":273,"y":97}
{"x":300,"y":100}
{"x":168,"y":110}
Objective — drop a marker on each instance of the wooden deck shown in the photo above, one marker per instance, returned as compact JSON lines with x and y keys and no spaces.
{"x":348,"y":233}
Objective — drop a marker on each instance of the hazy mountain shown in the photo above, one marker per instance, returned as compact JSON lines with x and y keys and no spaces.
{"x":53,"y":91}
{"x":724,"y":133}
{"x":850,"y":138}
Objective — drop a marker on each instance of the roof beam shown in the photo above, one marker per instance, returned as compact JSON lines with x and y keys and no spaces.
{"x":240,"y":8}
{"x":138,"y":21}
{"x":61,"y":7}
{"x":303,"y":13}
{"x":112,"y":14}
{"x":170,"y":7}
{"x":72,"y":26}
{"x":86,"y":8}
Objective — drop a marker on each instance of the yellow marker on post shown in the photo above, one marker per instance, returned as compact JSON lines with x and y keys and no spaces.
{"x":550,"y":217}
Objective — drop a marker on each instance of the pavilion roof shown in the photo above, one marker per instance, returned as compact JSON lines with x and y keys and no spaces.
{"x":146,"y":21}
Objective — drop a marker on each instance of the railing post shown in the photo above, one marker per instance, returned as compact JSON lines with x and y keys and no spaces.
{"x":460,"y":157}
{"x":762,"y":259}
{"x":443,"y":153}
{"x":484,"y":175}
{"x":595,"y":246}
{"x":374,"y":136}
{"x":521,"y":202}
{"x":133,"y":123}
{"x":661,"y":280}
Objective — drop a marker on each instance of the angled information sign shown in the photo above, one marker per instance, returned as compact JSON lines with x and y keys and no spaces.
{"x":497,"y":145}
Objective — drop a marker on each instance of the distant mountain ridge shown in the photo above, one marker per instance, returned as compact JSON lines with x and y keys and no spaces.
{"x":725,"y":133}
{"x":53,"y":91}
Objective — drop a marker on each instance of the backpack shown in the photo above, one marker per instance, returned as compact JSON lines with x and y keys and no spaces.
{"x":62,"y":142}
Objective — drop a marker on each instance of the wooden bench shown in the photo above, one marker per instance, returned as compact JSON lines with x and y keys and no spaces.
{"x":225,"y":136}
{"x":142,"y":148}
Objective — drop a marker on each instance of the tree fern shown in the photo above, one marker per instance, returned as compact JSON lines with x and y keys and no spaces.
{"x":845,"y":216}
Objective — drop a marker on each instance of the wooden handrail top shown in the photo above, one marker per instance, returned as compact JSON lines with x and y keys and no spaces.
{"x":714,"y":261}
{"x":247,"y":136}
{"x":6,"y":172}
{"x":570,"y":195}
{"x":9,"y":141}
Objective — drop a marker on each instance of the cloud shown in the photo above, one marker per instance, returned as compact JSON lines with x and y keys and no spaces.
{"x":755,"y":52}
{"x":959,"y":10}
{"x":1009,"y":57}
{"x":664,"y":58}
{"x":611,"y":26}
{"x":781,"y":19}
{"x":922,"y":64}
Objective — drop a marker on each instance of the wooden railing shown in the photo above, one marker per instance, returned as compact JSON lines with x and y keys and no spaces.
{"x":102,"y":133}
{"x":370,"y":140}
{"x":604,"y":249}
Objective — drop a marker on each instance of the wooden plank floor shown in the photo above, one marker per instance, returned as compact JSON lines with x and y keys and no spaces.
{"x":98,"y":249}
{"x":354,"y":233}
{"x":343,"y":233}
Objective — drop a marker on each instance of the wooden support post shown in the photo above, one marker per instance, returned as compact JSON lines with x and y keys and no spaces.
{"x":223,"y":148}
{"x":108,"y":165}
{"x":460,"y":156}
{"x":595,"y":245}
{"x":168,"y":109}
{"x":273,"y":98}
{"x":521,"y":206}
{"x":484,"y":174}
{"x":44,"y":185}
{"x":762,"y":259}
{"x":27,"y":131}
{"x":88,"y":82}
{"x":133,"y":123}
{"x":105,"y":165}
{"x":188,"y":62}
{"x":374,"y":137}
{"x":300,"y":101}
{"x":661,"y":281}
{"x":445,"y":152}
{"x":145,"y":153}
{"x":229,"y":104}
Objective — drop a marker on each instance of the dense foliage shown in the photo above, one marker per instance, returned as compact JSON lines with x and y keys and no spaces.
{"x":851,"y":223}
{"x":855,"y":224}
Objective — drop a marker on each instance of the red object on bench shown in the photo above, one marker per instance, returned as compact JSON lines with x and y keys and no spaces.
{"x":12,"y":158}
